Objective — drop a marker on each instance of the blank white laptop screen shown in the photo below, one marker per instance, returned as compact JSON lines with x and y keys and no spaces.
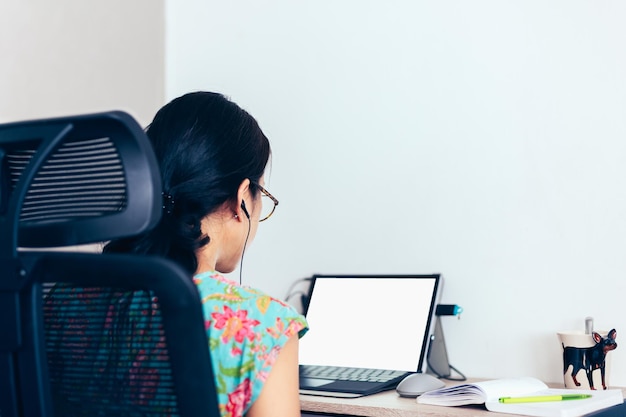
{"x":369,"y":322}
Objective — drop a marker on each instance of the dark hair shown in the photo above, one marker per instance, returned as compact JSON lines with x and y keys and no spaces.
{"x":206,"y":146}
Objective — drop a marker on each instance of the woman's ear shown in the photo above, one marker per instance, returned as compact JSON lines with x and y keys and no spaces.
{"x":243,"y":192}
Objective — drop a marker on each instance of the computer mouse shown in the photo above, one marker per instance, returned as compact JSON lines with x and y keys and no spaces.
{"x":416,"y":384}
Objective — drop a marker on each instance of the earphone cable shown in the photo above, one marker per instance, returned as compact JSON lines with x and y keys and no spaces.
{"x":243,"y":252}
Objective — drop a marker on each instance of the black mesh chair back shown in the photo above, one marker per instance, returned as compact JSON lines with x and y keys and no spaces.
{"x":124,"y":340}
{"x":85,"y":334}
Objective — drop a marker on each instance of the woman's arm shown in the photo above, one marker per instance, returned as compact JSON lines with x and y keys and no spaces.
{"x":280,"y":394}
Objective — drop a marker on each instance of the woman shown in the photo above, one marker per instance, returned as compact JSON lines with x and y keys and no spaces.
{"x":213,"y":156}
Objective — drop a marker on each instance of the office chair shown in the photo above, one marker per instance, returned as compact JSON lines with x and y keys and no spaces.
{"x":71,"y":342}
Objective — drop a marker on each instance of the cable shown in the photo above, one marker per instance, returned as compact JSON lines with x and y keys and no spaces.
{"x":304,"y":295}
{"x":243,"y":252}
{"x":461,"y":376}
{"x":291,"y":292}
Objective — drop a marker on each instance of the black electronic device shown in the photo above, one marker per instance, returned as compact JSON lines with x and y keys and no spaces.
{"x":437,"y":360}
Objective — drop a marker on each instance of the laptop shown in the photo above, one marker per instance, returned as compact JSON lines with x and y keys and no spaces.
{"x":366,"y":332}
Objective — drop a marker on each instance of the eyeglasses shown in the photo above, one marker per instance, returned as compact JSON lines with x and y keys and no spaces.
{"x":267,"y":211}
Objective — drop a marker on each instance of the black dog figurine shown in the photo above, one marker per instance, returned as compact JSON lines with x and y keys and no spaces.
{"x":590,"y":358}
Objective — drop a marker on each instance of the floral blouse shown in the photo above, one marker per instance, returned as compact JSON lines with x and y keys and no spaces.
{"x":246,"y":330}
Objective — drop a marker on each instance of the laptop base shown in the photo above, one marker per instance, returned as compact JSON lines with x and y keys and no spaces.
{"x":338,"y":389}
{"x":330,"y":394}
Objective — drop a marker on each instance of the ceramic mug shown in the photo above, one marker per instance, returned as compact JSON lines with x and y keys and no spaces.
{"x":585,"y":364}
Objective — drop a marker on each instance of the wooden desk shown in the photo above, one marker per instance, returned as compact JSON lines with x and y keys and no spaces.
{"x":390,"y":404}
{"x":387,"y":404}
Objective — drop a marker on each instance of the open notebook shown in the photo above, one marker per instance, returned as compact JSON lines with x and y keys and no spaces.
{"x":380,"y":324}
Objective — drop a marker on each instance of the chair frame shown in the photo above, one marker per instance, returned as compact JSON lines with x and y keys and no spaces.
{"x":24,"y":379}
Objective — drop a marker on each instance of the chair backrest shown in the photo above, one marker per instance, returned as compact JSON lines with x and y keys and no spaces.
{"x":73,"y":180}
{"x":91,"y":334}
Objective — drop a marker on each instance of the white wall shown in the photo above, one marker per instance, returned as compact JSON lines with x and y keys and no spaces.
{"x":485,"y":140}
{"x":74,"y":56}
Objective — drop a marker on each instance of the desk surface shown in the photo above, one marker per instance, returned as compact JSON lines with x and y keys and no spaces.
{"x":386,"y":404}
{"x":389,"y":404}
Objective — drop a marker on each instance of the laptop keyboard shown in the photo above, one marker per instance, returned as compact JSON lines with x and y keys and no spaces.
{"x":349,"y":374}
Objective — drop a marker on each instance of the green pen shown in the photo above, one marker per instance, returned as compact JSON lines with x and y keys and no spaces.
{"x":543,"y":398}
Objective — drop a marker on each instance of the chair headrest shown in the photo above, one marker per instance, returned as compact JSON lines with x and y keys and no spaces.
{"x":76,"y":180}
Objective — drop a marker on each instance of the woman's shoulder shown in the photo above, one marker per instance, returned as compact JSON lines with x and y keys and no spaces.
{"x":214,"y":284}
{"x":219,"y":291}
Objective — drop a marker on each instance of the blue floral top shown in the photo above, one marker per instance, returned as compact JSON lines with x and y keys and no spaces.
{"x":246,"y":330}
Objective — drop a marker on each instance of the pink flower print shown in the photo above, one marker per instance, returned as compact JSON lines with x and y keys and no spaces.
{"x":222,"y":279}
{"x":276,"y":331}
{"x":236,"y":324}
{"x":238,"y":399}
{"x":262,"y":376}
{"x":293,"y":328}
{"x":257,"y":347}
{"x":236,"y":351}
{"x":270,"y":358}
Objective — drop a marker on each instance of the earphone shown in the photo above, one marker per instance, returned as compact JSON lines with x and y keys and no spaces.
{"x":245,"y":210}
